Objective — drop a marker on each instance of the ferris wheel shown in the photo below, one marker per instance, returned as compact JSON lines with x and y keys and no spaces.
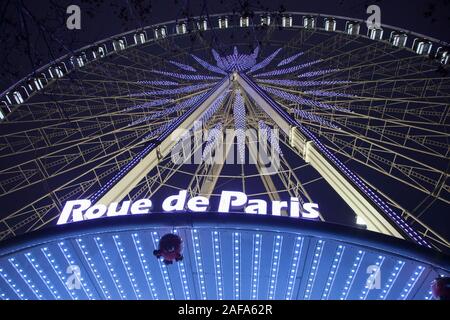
{"x":358,"y":123}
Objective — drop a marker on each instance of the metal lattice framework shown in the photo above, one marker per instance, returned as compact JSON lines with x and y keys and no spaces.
{"x":360,"y":114}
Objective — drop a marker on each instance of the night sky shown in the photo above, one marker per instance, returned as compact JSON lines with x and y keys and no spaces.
{"x":34,"y":32}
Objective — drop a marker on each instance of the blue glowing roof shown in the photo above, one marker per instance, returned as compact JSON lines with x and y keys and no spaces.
{"x":233,"y":256}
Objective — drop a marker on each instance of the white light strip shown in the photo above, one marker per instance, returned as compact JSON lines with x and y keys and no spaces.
{"x":256,"y":264}
{"x":236,"y":237}
{"x":372,"y":278}
{"x":314,"y":268}
{"x":163,"y":269}
{"x":333,"y":272}
{"x":198,"y":263}
{"x":110,"y":267}
{"x":70,"y":261}
{"x":183,"y":277}
{"x":351,"y":277}
{"x":127,"y":266}
{"x":217,"y":264}
{"x":275,"y":266}
{"x":25,"y":278}
{"x":298,"y":247}
{"x":94,"y":270}
{"x":42,"y":276}
{"x":391,"y":280}
{"x":144,"y":265}
{"x":14,"y":287}
{"x":412,"y":282}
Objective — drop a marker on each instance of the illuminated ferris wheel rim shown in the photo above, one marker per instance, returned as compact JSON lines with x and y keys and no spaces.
{"x":214,"y":221}
{"x":111,"y":46}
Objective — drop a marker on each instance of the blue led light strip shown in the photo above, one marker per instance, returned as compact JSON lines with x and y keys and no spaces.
{"x":183,"y":277}
{"x":412,"y":282}
{"x":265,"y":61}
{"x":342,"y":167}
{"x":429,"y":295}
{"x":314,"y":267}
{"x":292,"y":69}
{"x":300,"y":100}
{"x":240,"y":123}
{"x":172,"y":91}
{"x":163,"y":269}
{"x":351,"y":277}
{"x":218,"y":270}
{"x":391,"y":280}
{"x":157,"y":83}
{"x":110,"y":267}
{"x":124,"y":170}
{"x":153,"y":103}
{"x":93,"y":269}
{"x":321,"y":93}
{"x":212,"y":109}
{"x":297,"y":252}
{"x":275,"y":266}
{"x":3,"y":295}
{"x":199,"y":263}
{"x":297,"y":83}
{"x":182,"y":66}
{"x":333,"y":271}
{"x":317,"y":73}
{"x":208,"y":66}
{"x":25,"y":278}
{"x":256,"y":264}
{"x":213,"y":139}
{"x":42,"y":276}
{"x":126,"y":265}
{"x":315,"y":118}
{"x":236,"y":237}
{"x":167,"y":111}
{"x":70,"y":261}
{"x":372,"y":278}
{"x":12,"y":285}
{"x":236,"y":61}
{"x":185,"y":76}
{"x":289,"y":59}
{"x":144,"y":265}
{"x":266,"y":133}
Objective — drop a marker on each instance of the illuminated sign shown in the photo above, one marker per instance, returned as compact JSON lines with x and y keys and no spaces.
{"x":81,"y":210}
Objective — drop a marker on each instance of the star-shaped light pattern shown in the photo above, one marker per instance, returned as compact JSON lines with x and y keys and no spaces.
{"x":236,"y":61}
